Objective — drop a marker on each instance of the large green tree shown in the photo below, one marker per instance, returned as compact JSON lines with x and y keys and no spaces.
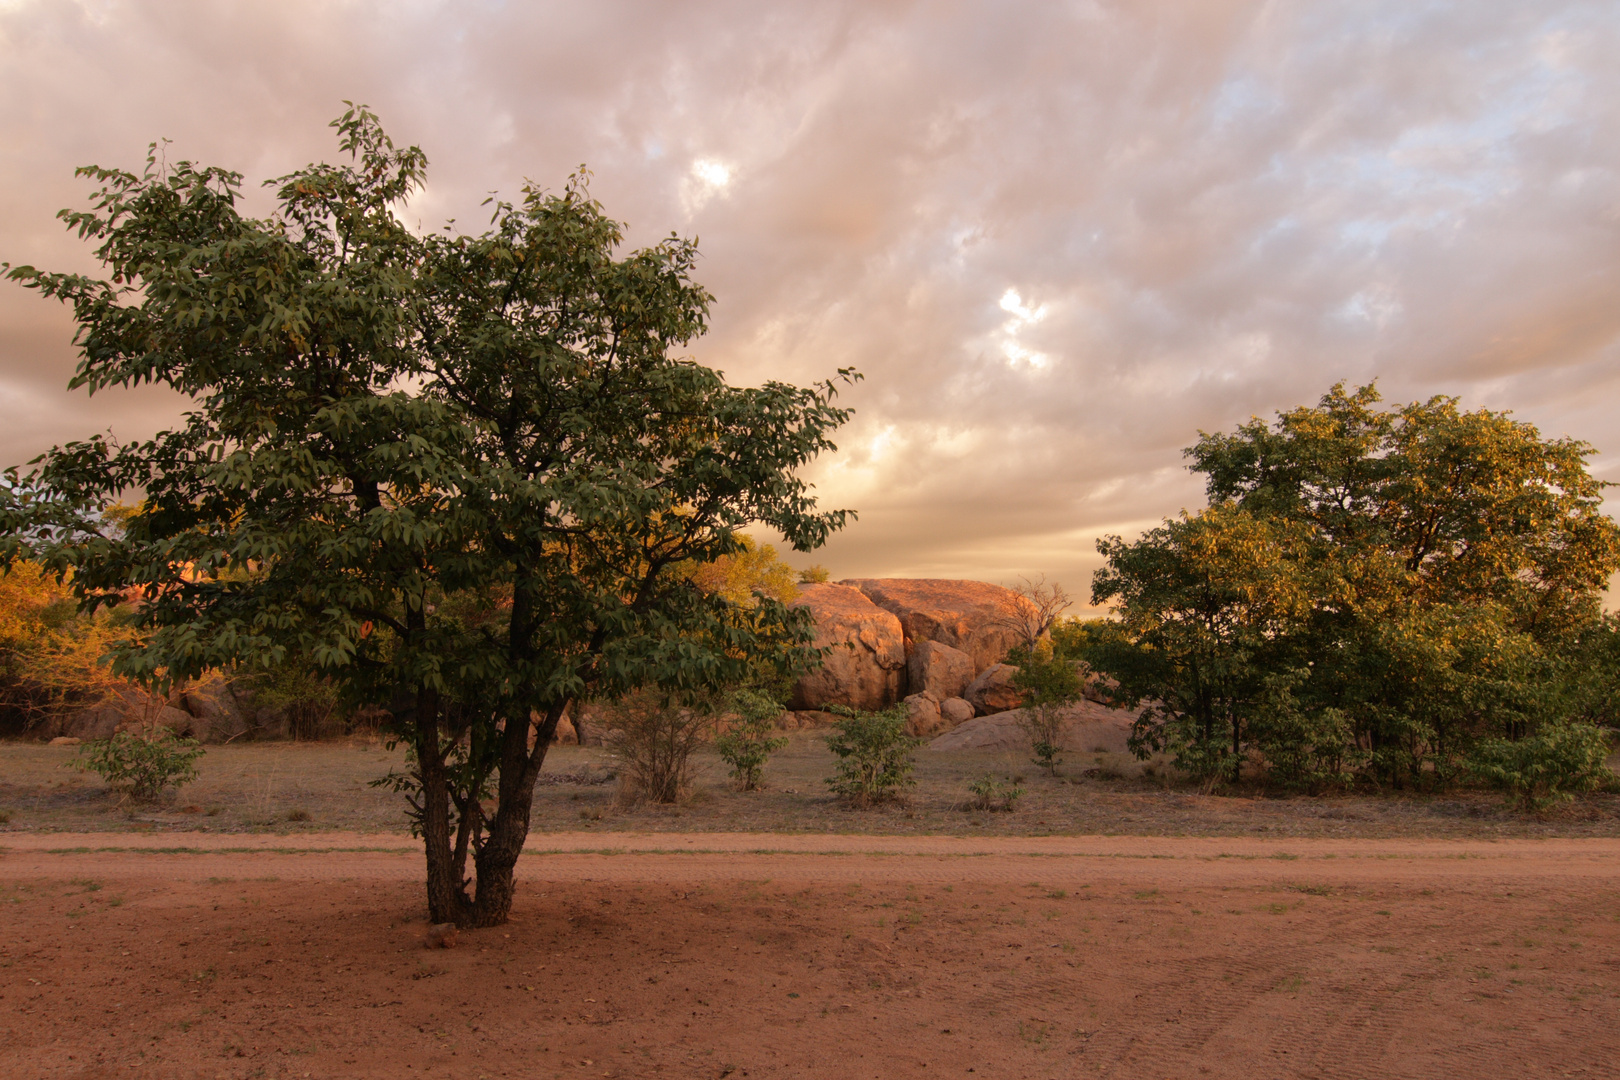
{"x":1384,"y":592}
{"x":464,"y":474}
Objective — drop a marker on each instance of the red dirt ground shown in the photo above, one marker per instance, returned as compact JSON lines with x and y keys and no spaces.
{"x":815,"y":956}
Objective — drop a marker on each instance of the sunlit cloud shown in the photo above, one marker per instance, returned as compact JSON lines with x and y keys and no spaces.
{"x":1057,"y":239}
{"x":707,"y":179}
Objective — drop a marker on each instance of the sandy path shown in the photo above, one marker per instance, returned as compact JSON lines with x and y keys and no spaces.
{"x":201,"y":955}
{"x":667,"y":857}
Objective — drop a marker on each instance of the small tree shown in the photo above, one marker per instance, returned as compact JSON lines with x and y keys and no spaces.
{"x":1049,"y":685}
{"x":1034,"y":608}
{"x":143,"y":765}
{"x":654,"y":737}
{"x":875,"y":755}
{"x":750,"y":742}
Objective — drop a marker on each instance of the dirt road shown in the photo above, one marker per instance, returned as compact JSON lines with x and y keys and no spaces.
{"x":184,"y":955}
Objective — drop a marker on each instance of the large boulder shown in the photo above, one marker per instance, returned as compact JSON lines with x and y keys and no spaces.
{"x":1087,"y":728}
{"x":938,"y":669}
{"x":218,"y":714}
{"x":957,"y":711}
{"x":993,"y":691}
{"x":92,"y":722}
{"x":923,"y":719}
{"x":865,"y":668}
{"x":124,"y":708}
{"x":967,"y":615}
{"x":807,"y":720}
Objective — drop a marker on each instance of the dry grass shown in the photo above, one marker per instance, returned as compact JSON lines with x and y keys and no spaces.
{"x":301,"y":787}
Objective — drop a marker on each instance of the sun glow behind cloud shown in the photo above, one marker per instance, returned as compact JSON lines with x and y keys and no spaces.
{"x":1053,"y":263}
{"x":1022,"y":317}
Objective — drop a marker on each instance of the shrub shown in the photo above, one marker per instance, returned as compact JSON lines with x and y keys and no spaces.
{"x":987,"y":792}
{"x":141,"y":766}
{"x":1548,"y":767}
{"x":874,"y":754}
{"x":748,"y":745}
{"x":654,"y":738}
{"x":1048,"y":684}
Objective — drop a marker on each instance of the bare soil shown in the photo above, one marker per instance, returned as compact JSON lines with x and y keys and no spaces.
{"x":296,"y":788}
{"x":711,"y":955}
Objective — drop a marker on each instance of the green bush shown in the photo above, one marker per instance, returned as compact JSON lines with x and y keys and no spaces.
{"x":988,"y":792}
{"x":747,"y":746}
{"x":874,"y":754}
{"x":141,"y":766}
{"x":1048,"y":683}
{"x":1548,"y":767}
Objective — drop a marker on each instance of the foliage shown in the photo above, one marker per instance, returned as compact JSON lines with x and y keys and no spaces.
{"x":459,"y":473}
{"x":750,"y":741}
{"x":654,"y":738}
{"x":53,"y":659}
{"x":815,"y":575}
{"x":744,"y":575}
{"x":1548,"y":767}
{"x":992,"y":794}
{"x":875,"y":755}
{"x":1371,"y":593}
{"x":1048,"y":685}
{"x":141,"y":765}
{"x":308,"y":696}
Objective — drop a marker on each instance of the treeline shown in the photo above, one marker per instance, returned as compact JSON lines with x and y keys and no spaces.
{"x":1405,"y":597}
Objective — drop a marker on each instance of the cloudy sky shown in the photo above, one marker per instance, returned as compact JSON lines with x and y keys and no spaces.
{"x":1059,"y":238}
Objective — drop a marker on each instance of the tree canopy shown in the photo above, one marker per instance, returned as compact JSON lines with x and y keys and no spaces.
{"x":465,"y":474}
{"x":1389,"y":594}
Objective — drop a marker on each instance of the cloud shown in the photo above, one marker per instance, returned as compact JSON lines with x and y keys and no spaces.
{"x":1058,"y":239}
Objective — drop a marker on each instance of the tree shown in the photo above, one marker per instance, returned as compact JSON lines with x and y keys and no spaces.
{"x":461,"y":473}
{"x":1033,"y":610}
{"x":755,"y":568}
{"x":1372,"y":592}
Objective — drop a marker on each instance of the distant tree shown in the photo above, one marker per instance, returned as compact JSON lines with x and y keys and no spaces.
{"x":52,"y":656}
{"x":814,"y":575}
{"x":1372,"y":592}
{"x":458,"y":472}
{"x":753,"y":570}
{"x":1033,"y":609}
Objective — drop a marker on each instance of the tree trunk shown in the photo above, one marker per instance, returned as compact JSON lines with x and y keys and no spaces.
{"x":447,"y":895}
{"x":509,"y":828}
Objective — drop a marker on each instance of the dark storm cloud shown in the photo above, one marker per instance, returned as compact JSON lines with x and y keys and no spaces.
{"x":1058,"y":238}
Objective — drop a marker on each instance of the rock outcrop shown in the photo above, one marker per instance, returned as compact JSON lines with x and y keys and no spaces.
{"x":993,"y":691}
{"x":219,"y":715}
{"x":866,"y":667}
{"x":938,"y":669}
{"x":923,"y":720}
{"x":957,"y":711}
{"x":966,"y":615}
{"x":1088,"y":728}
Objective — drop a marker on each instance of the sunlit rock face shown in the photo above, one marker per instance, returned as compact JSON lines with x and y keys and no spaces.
{"x":895,"y":637}
{"x":966,"y":615}
{"x":867,"y":665}
{"x":937,"y":669}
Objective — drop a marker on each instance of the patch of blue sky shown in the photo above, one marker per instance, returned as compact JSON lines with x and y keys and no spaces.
{"x":1242,"y":99}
